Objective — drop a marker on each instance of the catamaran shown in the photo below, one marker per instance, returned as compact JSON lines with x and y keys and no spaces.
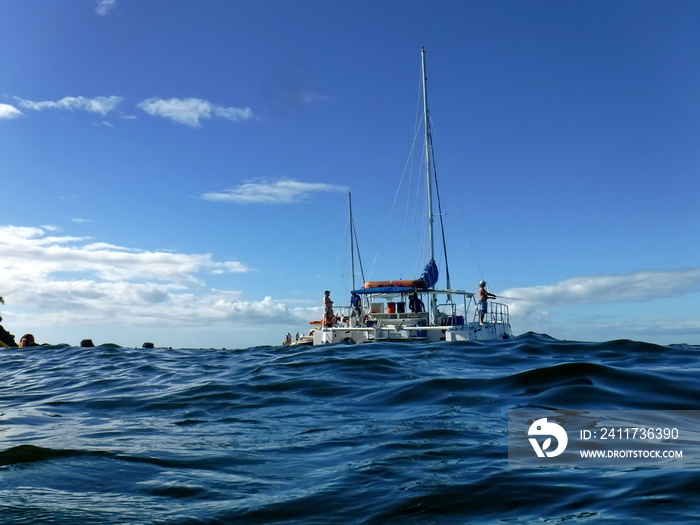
{"x":414,"y":309}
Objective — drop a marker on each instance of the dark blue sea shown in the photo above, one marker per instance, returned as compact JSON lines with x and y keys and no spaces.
{"x":368,"y":434}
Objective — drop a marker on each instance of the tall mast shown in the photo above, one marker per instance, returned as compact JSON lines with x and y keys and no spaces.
{"x":428,"y":174}
{"x":352,"y":246}
{"x":428,"y":156}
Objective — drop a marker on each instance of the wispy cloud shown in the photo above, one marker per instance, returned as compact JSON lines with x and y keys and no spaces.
{"x":310,"y":98}
{"x":639,"y":286}
{"x":105,"y":6}
{"x":9,"y":112}
{"x":100,"y":105}
{"x":279,"y":192}
{"x":191,"y":111}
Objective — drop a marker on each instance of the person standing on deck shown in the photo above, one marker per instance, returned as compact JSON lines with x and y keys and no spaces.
{"x":327,"y":309}
{"x":484,"y":296}
{"x":355,"y":304}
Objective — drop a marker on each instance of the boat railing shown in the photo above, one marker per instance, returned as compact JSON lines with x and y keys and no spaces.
{"x":343,"y":314}
{"x":402,"y":316}
{"x":449,"y":314}
{"x":497,"y":313}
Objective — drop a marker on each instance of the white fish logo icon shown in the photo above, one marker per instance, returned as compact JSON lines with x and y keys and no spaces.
{"x":542,"y":428}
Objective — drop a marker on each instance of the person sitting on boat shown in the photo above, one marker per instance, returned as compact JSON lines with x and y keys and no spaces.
{"x":415,"y":304}
{"x":484,"y":296}
{"x":328,"y":308}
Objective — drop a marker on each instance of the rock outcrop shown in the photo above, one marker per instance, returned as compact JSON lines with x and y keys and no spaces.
{"x":6,"y":337}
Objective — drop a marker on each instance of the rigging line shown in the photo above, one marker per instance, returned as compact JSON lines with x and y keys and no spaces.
{"x":412,"y":198}
{"x":408,"y":169}
{"x":476,"y":256}
{"x":440,"y":214}
{"x":471,"y":243}
{"x":342,"y":243}
{"x":357,"y":248}
{"x":352,"y":238}
{"x":408,"y":172}
{"x":420,"y":227}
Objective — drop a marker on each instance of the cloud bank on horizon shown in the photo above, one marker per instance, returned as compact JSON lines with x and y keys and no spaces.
{"x":538,"y":302}
{"x":72,"y":279}
{"x":79,"y":281}
{"x":639,"y":286}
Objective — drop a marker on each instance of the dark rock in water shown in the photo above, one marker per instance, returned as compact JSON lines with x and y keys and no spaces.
{"x":87,"y":343}
{"x":7,"y":338}
{"x":148,"y":345}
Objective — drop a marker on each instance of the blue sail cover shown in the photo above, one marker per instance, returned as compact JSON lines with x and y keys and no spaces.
{"x":428,"y":279}
{"x":430,"y":274}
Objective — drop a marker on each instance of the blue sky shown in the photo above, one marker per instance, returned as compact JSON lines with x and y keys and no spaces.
{"x":177,"y":171}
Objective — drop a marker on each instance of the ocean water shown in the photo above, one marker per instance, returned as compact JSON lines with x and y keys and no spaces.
{"x":371,"y":434}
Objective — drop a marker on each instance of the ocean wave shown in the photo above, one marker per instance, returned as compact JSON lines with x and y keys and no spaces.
{"x":376,"y":433}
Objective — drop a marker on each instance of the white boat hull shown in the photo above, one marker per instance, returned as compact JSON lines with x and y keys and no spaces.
{"x":427,"y":334}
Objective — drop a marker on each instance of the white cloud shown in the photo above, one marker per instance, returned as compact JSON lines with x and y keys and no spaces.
{"x":279,"y":192}
{"x":641,"y":286}
{"x":31,"y":252}
{"x":66,"y":287}
{"x":105,"y":6}
{"x":9,"y":112}
{"x":63,"y":288}
{"x":100,"y":105}
{"x":192,"y":111}
{"x":67,"y":273}
{"x":310,"y":98}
